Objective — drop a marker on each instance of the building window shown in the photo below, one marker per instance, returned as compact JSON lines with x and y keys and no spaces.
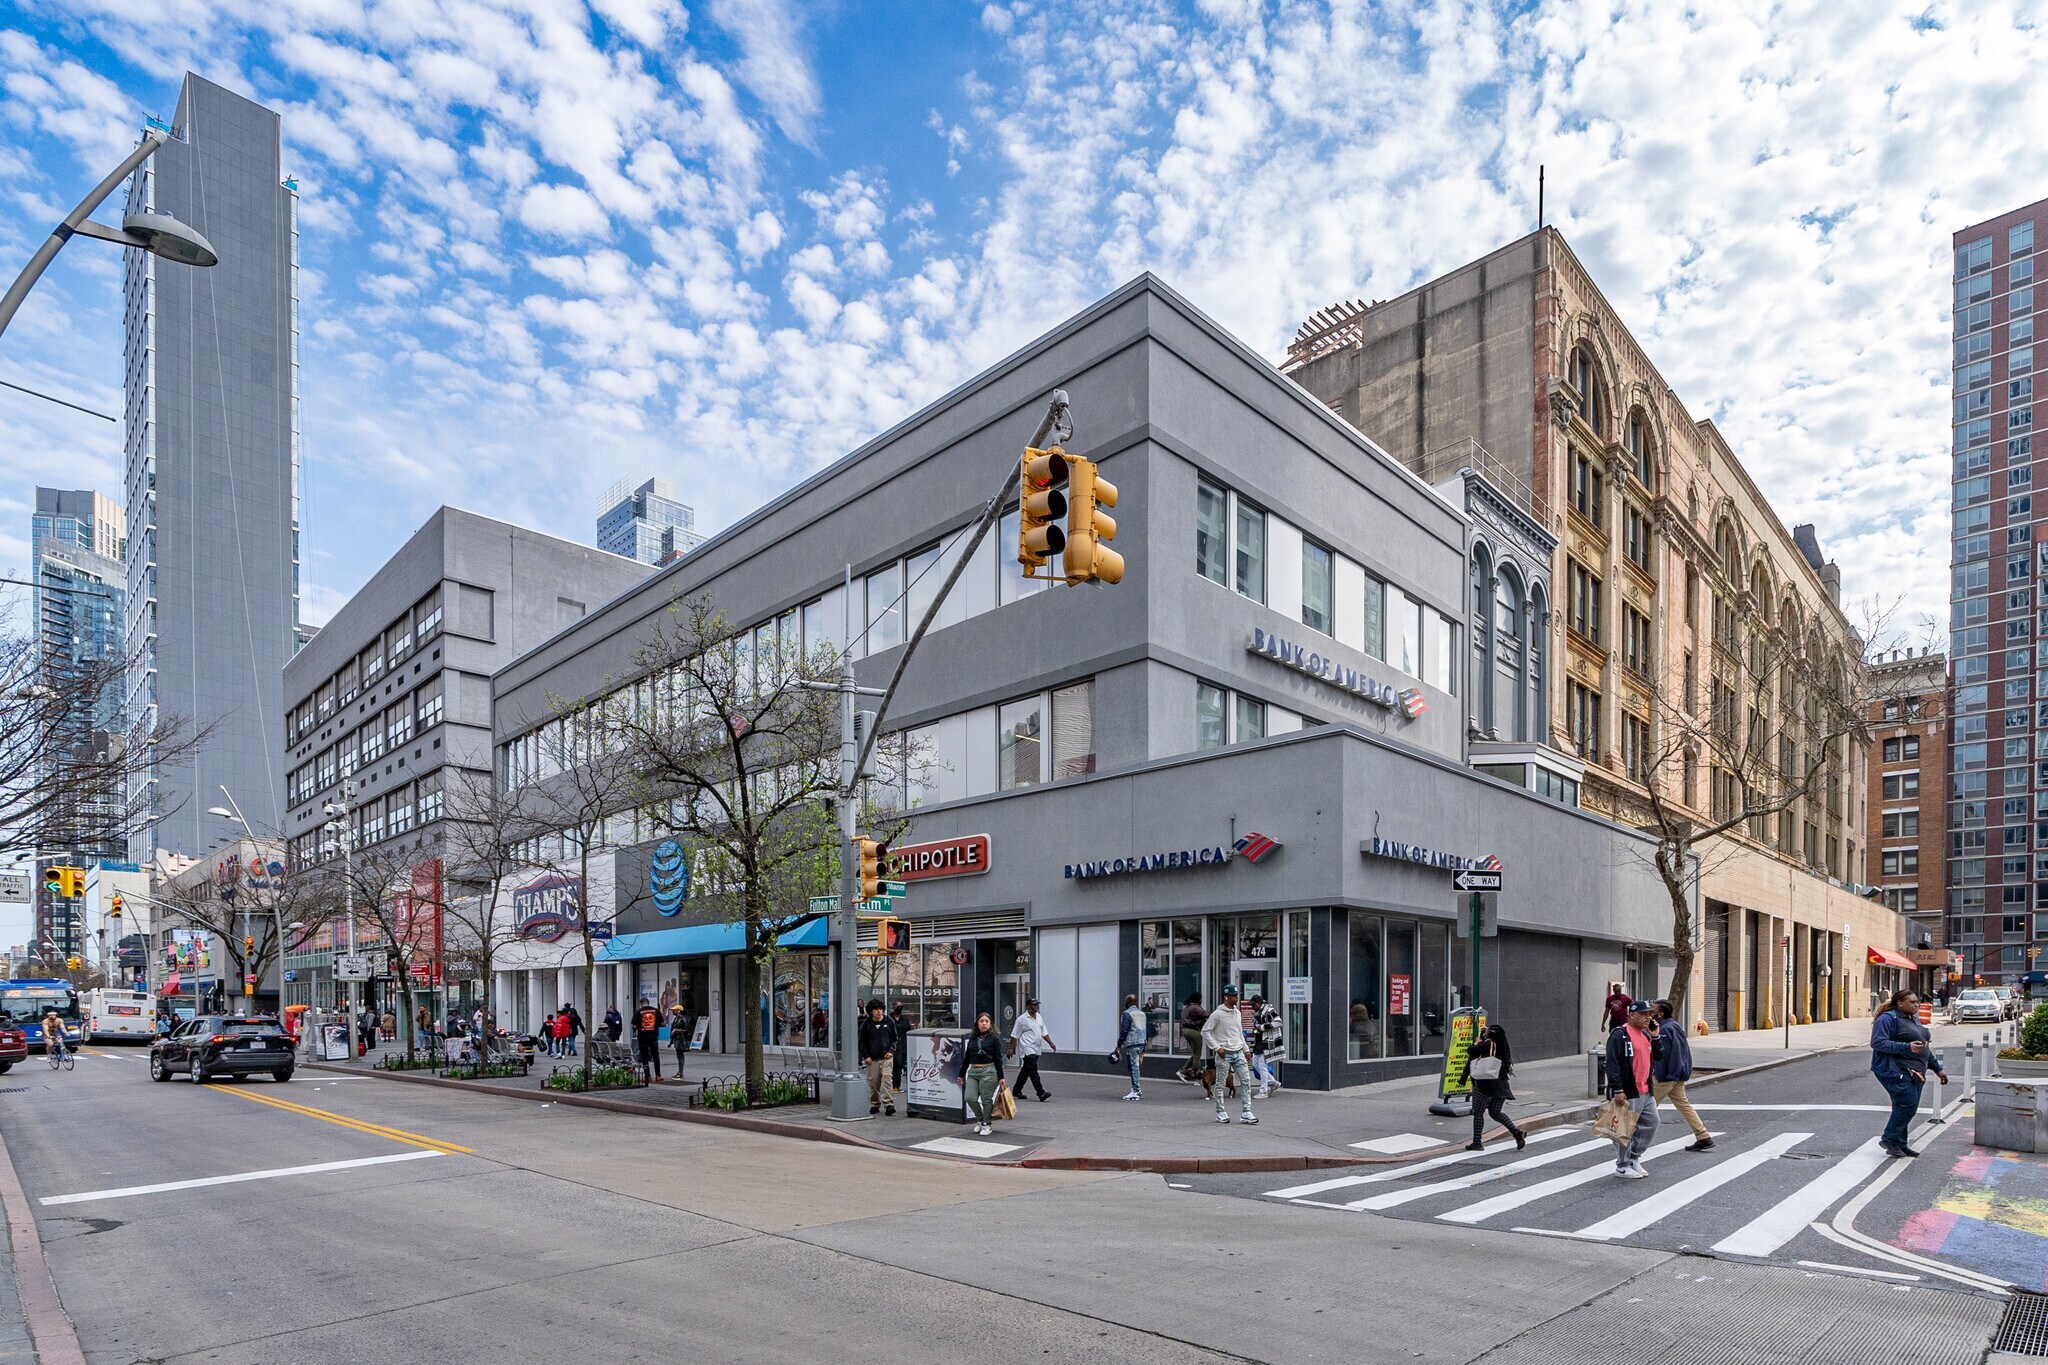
{"x":1642,"y":455}
{"x":1896,"y":750}
{"x":373,"y":664}
{"x":426,"y":617}
{"x":1585,"y":602}
{"x":398,"y":724}
{"x":1635,"y":747}
{"x":1588,"y":486}
{"x":1012,"y":585}
{"x":373,"y":741}
{"x":884,"y":608}
{"x":429,"y":699}
{"x":1900,"y":862}
{"x":1635,"y":645}
{"x":1317,"y":613}
{"x":1585,"y":378}
{"x":1251,"y":551}
{"x":430,"y":800}
{"x":1212,"y":531}
{"x":2019,"y":239}
{"x":922,"y":576}
{"x":1212,"y":730}
{"x":1636,"y":536}
{"x":398,"y":640}
{"x":1582,"y":711}
{"x":1021,"y":728}
{"x":1375,"y":617}
{"x":1903,"y":824}
{"x":1073,"y":730}
{"x":1899,"y":786}
{"x":1404,"y":632}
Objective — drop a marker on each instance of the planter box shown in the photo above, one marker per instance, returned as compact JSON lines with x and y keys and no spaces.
{"x":2012,"y":1068}
{"x":2012,"y":1114}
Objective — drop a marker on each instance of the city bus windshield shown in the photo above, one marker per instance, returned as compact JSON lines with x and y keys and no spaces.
{"x":28,"y":1004}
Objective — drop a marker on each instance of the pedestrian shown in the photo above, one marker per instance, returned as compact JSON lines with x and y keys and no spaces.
{"x":1028,"y":1038}
{"x":679,"y":1036}
{"x":1491,"y":1093}
{"x":1223,"y":1034}
{"x":1900,"y":1058}
{"x":877,"y":1050}
{"x":1617,"y":1006}
{"x":899,"y":1021}
{"x":983,"y":1058}
{"x":647,"y":1039}
{"x":1130,"y":1043}
{"x":575,"y":1028}
{"x":1266,"y":1039}
{"x":390,"y":1025}
{"x":558,"y":1033}
{"x":614,"y":1023}
{"x":1632,"y":1051}
{"x":1192,"y":1017}
{"x":422,"y":1023}
{"x":1670,"y":1072}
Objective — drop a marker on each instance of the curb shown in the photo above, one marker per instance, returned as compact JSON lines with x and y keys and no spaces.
{"x":50,"y":1328}
{"x":1157,"y":1165}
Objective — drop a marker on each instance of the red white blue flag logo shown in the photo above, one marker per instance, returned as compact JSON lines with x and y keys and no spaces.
{"x":1411,"y":702}
{"x":1490,"y":863}
{"x":1254,"y":846}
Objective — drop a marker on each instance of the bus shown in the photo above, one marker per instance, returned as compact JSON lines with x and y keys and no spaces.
{"x":113,"y":1014}
{"x":24,"y":1002}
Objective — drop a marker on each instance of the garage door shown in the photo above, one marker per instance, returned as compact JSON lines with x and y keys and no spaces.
{"x":1714,"y":1009}
{"x":1539,"y":993}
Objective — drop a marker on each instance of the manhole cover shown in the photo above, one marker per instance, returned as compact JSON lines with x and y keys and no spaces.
{"x":2024,"y":1328}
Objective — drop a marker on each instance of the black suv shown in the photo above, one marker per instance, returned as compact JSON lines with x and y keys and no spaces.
{"x":213,"y":1045}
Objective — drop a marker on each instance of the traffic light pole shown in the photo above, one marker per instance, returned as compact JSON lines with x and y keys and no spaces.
{"x":849,"y":1095}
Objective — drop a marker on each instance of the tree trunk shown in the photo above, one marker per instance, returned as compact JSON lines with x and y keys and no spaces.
{"x":750,"y":1006}
{"x":1671,"y":867}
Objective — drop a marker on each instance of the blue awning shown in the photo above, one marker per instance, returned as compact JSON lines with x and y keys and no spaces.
{"x":695,"y":940}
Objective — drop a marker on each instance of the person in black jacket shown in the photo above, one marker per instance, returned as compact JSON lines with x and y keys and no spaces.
{"x":982,"y":1058}
{"x":877,"y":1050}
{"x":1489,"y":1095}
{"x":900,"y":1022}
{"x":1632,"y":1052}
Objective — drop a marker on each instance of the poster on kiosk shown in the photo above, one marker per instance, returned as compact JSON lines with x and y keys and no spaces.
{"x":932,"y":1076}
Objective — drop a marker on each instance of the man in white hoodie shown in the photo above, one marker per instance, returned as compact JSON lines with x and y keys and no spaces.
{"x":1223,"y":1033}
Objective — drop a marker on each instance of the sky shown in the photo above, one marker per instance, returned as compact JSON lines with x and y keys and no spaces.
{"x":547,"y":245}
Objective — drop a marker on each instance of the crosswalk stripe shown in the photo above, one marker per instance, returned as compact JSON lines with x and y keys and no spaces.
{"x":1397,"y":1172}
{"x":1529,"y":1194}
{"x":1396,"y":1198}
{"x":1665,"y":1202}
{"x":1778,"y":1225}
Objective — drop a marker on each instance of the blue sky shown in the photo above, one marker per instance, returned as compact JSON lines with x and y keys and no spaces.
{"x":548,"y":245}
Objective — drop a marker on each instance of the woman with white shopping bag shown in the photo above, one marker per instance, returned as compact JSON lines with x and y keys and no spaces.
{"x":1491,"y":1063}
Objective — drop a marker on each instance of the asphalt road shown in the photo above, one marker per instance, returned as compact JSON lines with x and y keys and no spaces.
{"x":440,"y":1226}
{"x":1792,"y":1147}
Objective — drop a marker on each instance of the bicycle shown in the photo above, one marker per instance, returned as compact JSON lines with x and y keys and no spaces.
{"x":61,"y":1055}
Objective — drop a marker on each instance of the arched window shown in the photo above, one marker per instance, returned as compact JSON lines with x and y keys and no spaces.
{"x":1482,"y":639}
{"x":1642,"y":452}
{"x":1585,"y":377}
{"x":1510,"y":647}
{"x":1538,"y":620}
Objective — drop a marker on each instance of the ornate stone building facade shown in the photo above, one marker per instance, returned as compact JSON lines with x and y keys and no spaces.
{"x":1696,"y":644}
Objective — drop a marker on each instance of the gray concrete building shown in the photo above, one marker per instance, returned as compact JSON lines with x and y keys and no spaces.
{"x":391,"y":702}
{"x":212,"y":468}
{"x":1247,"y":763}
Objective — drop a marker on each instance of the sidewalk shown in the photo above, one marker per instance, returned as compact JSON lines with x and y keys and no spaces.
{"x":1088,"y":1123}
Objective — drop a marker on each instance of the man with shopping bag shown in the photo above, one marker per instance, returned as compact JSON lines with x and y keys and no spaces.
{"x":1631,"y":1049}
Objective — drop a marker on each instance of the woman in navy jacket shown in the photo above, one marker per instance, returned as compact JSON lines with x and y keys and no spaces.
{"x":1898,"y":1058}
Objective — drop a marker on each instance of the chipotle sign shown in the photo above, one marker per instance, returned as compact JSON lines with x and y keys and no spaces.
{"x":965,"y":857}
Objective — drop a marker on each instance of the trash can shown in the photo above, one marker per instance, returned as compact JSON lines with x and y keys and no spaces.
{"x":1596,"y":1073}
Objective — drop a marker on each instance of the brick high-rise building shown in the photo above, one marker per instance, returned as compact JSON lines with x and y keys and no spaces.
{"x":1907,"y":835}
{"x":1996,"y":885}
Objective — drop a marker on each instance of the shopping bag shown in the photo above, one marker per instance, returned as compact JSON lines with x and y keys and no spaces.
{"x":1617,"y":1122}
{"x":1485,"y":1068}
{"x":1006,"y":1104}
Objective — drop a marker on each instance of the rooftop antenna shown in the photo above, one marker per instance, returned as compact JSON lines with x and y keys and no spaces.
{"x":1539,"y":196}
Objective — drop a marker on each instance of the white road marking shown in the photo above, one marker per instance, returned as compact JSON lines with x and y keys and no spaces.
{"x":1399,"y":1144}
{"x":1662,"y":1203}
{"x":1777,"y":1225}
{"x":952,"y":1146}
{"x":131,"y":1190}
{"x":1396,"y":1198}
{"x":1844,"y":1231}
{"x":1803,"y":1108}
{"x":1514,"y":1199}
{"x":1397,"y":1172}
{"x":1858,"y":1270}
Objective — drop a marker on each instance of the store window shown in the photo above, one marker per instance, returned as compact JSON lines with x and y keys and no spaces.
{"x":1366,"y":1037}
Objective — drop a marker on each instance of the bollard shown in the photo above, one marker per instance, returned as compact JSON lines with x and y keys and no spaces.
{"x":1990,"y":1058}
{"x":1969,"y":1067}
{"x":1934,"y":1084}
{"x":1593,"y":1060}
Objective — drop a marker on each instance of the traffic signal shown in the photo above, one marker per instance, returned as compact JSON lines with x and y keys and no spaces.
{"x":248,"y":944}
{"x":74,"y":881}
{"x":871,"y":854}
{"x":74,"y":962}
{"x":53,"y":880}
{"x":114,"y":909}
{"x":892,"y":935}
{"x":1088,"y":526}
{"x":1043,"y":505}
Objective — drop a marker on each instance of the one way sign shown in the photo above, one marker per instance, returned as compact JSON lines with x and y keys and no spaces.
{"x":1476,"y":881}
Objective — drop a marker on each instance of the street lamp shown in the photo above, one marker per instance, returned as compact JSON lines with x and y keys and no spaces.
{"x":157,"y":233}
{"x":337,"y":827}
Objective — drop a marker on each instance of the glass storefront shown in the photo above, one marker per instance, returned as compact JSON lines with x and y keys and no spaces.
{"x":924,"y":981}
{"x":1399,"y":987}
{"x":1246,"y":951}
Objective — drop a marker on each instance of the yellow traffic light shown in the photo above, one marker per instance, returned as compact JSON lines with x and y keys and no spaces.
{"x":892,"y":935}
{"x":871,"y":855}
{"x":114,"y":909}
{"x":1043,"y":505}
{"x":53,"y":881}
{"x":74,"y":962}
{"x":248,"y":944}
{"x":68,"y":882}
{"x":1088,"y":526}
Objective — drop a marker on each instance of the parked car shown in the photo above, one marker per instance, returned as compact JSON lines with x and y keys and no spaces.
{"x":215,"y":1045}
{"x":2008,"y":1003}
{"x":13,"y":1047}
{"x":1979,"y":1004}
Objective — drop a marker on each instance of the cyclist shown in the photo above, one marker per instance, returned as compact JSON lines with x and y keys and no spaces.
{"x":53,"y":1033}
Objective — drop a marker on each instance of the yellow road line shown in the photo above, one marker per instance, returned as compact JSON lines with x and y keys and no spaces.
{"x":359,"y":1125}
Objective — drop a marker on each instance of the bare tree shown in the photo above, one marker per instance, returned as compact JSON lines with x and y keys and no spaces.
{"x":400,"y":912}
{"x":1770,"y":723}
{"x":739,"y":761}
{"x":233,"y":906}
{"x":485,"y":833}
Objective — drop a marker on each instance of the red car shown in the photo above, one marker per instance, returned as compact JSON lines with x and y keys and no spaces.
{"x":13,"y":1047}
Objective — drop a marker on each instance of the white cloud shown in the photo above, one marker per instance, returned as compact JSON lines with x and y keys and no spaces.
{"x":563,"y":211}
{"x":772,"y":62}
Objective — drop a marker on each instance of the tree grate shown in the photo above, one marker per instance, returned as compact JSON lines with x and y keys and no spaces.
{"x":2024,"y":1328}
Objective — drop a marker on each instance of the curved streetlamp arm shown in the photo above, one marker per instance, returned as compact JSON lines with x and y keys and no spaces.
{"x":73,"y":224}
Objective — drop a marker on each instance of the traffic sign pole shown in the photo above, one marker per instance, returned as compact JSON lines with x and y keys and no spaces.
{"x":1477,"y":907}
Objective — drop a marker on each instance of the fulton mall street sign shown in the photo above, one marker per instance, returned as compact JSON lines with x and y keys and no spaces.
{"x":1409,"y":701}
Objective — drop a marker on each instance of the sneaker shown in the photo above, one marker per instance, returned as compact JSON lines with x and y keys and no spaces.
{"x":1182,"y":1079}
{"x":890,"y":1110}
{"x":1276,"y":1085}
{"x":1630,"y":1172}
{"x":874,"y":1109}
{"x":1260,"y":1095}
{"x":1222,"y":1117}
{"x":1903,"y":1150}
{"x":1475,"y":1146}
{"x":1134,"y":1095}
{"x":1705,"y":1144}
{"x":1043,"y":1098}
{"x":1247,"y":1117}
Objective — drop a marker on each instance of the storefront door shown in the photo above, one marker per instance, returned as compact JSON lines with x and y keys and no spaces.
{"x":1256,"y":976}
{"x":1010,"y":991}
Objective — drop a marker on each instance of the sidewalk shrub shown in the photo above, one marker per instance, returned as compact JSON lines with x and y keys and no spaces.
{"x":396,"y":1062}
{"x":2034,"y":1032}
{"x":601,"y":1078}
{"x":730,"y":1093}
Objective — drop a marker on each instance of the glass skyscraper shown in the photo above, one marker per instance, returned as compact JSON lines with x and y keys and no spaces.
{"x":1997,"y":868}
{"x":212,"y":470}
{"x":79,"y":621}
{"x":647,"y":524}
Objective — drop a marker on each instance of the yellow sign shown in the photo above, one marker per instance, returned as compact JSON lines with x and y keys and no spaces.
{"x":1465,"y":1028}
